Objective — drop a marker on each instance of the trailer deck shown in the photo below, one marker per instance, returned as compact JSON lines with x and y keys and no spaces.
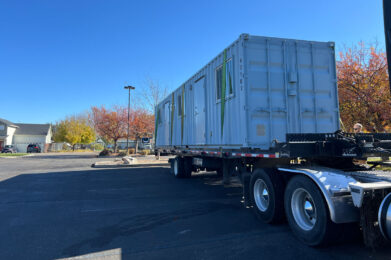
{"x":371,"y":176}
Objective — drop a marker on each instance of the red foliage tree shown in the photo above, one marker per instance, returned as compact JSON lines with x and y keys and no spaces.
{"x":110,"y":124}
{"x":142,"y":124}
{"x":363,"y":88}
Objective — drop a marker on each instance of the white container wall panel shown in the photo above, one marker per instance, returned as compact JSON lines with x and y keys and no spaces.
{"x":202,"y":109}
{"x":291,"y":89}
{"x":272,"y":87}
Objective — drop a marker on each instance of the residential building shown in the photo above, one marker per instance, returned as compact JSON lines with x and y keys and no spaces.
{"x":21,"y":135}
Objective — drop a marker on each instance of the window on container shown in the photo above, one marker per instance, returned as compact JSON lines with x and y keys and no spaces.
{"x":181,"y":102}
{"x":229,"y":77}
{"x":179,"y":105}
{"x":159,"y":117}
{"x":167,"y":112}
{"x":229,"y":80}
{"x":219,"y":76}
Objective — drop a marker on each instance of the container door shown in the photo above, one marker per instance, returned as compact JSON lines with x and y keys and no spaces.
{"x":199,"y":111}
{"x":167,"y":123}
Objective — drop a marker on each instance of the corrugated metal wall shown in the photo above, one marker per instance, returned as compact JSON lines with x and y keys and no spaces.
{"x":291,"y":89}
{"x":254,"y":92}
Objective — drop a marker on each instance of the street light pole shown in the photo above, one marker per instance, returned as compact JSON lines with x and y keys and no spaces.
{"x":127,"y":137}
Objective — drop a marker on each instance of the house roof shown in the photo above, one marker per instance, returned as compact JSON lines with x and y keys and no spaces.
{"x":9,"y":123}
{"x":32,"y":129}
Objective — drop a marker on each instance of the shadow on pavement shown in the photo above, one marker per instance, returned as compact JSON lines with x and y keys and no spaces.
{"x":133,"y":213}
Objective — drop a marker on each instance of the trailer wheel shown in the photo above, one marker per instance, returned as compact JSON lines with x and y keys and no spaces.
{"x":177,"y":167}
{"x":307,"y":213}
{"x":266,"y":197}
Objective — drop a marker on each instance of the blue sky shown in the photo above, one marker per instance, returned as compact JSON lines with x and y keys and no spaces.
{"x":60,"y":57}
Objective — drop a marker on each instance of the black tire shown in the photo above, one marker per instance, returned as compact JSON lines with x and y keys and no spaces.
{"x":177,"y":167}
{"x":270,"y":208}
{"x":316,"y":227}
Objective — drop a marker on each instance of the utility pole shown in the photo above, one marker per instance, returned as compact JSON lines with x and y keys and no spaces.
{"x":127,"y":137}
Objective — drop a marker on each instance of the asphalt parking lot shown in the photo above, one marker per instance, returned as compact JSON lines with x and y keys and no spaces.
{"x":57,"y":206}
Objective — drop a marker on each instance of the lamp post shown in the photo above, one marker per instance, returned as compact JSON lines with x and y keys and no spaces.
{"x":127,"y":137}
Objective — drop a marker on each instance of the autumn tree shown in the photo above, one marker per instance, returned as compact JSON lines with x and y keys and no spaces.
{"x":142,"y":124}
{"x":74,"y":131}
{"x":110,"y":124}
{"x":363,"y":88}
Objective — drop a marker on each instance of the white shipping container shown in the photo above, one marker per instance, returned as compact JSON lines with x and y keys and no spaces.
{"x":252,"y":94}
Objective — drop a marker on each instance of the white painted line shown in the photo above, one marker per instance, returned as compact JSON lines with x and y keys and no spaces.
{"x":100,"y":210}
{"x":184,"y":231}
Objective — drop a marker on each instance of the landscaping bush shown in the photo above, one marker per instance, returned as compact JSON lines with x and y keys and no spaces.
{"x":122,"y":154}
{"x":145,"y":152}
{"x":105,"y":152}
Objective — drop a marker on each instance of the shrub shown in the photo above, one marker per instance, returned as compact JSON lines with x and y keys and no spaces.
{"x":145,"y":152}
{"x":122,"y":154}
{"x":105,"y":152}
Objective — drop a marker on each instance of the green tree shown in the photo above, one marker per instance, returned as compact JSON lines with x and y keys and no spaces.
{"x":74,"y":131}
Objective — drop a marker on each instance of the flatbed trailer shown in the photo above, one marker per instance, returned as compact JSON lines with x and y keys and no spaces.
{"x":266,"y":109}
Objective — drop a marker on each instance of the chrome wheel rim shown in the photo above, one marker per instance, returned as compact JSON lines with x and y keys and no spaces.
{"x":303,"y":209}
{"x":261,"y":195}
{"x":176,"y":167}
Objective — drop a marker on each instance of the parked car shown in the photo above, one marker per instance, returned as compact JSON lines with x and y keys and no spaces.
{"x":9,"y":149}
{"x":33,"y":148}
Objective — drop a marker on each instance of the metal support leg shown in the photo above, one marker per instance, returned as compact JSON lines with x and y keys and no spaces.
{"x":226,"y":172}
{"x":246,"y":187}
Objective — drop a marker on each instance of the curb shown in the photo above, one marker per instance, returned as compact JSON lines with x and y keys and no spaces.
{"x":14,"y":157}
{"x":129,"y":165}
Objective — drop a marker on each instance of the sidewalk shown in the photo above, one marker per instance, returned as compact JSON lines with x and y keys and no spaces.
{"x":139,"y":161}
